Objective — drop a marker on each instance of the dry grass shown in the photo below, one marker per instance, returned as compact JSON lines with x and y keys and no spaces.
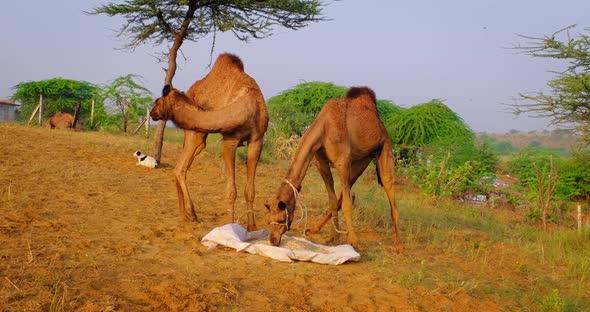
{"x":83,"y":228}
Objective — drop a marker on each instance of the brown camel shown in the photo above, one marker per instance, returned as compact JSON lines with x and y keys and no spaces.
{"x":63,"y":120}
{"x":226,"y":101}
{"x":347,"y":134}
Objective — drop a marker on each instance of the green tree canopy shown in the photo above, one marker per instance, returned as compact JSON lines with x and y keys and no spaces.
{"x":568,"y":101}
{"x":293,"y":110}
{"x":59,"y":95}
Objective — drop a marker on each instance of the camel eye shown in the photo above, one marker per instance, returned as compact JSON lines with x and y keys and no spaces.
{"x":282,"y":205}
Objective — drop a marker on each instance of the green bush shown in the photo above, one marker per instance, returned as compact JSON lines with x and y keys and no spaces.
{"x":59,"y":95}
{"x":293,"y":110}
{"x":426,"y":124}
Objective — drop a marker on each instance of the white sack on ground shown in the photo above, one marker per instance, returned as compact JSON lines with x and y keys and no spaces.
{"x":292,"y":248}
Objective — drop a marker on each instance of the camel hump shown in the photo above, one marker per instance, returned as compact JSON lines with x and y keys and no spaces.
{"x":229,"y":60}
{"x":355,"y":92}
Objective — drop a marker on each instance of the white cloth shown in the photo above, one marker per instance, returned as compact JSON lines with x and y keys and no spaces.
{"x":292,"y":248}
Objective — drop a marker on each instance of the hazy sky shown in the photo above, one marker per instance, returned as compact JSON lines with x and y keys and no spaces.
{"x":407,"y":51}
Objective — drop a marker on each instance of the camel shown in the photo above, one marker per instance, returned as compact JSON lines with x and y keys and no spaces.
{"x":347,"y":134}
{"x":226,"y":101}
{"x":61,"y":120}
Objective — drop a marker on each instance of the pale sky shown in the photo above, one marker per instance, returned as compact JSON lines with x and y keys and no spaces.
{"x":407,"y":51}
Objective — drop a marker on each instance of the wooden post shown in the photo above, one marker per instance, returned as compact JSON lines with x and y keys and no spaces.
{"x":92,"y":113}
{"x":147,"y":123}
{"x":579,"y":218}
{"x":34,"y":113}
{"x":138,"y":127}
{"x":40,"y":109}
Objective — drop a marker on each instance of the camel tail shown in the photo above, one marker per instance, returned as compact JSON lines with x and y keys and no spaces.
{"x":355,"y":92}
{"x":378,"y":175}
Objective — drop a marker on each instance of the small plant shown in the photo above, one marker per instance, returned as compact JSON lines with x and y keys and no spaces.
{"x":284,"y":147}
{"x":554,"y":302}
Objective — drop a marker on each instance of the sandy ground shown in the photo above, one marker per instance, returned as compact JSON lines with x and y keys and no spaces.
{"x":82,"y":227}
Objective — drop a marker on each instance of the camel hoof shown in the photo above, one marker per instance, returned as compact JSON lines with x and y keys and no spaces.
{"x":399,"y":248}
{"x":351,"y":239}
{"x":191,"y":218}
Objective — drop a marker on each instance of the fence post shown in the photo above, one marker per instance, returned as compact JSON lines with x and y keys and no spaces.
{"x":92,"y":113}
{"x":147,"y":123}
{"x":33,"y":114}
{"x":579,"y":218}
{"x":40,"y":109}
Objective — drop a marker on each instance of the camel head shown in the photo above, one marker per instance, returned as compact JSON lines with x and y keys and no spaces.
{"x":282,"y":211}
{"x":165,"y":104}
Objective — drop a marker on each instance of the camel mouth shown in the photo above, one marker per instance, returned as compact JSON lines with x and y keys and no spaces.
{"x":155,"y":116}
{"x":276,"y":232}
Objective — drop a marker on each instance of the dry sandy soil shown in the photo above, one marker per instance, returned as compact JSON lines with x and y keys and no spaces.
{"x":83,"y":228}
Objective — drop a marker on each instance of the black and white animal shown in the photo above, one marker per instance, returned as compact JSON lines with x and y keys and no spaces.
{"x":145,"y":160}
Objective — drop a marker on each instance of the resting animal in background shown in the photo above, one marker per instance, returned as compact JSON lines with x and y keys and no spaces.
{"x":145,"y":160}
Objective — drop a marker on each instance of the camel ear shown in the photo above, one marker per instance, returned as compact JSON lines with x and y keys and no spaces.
{"x":166,"y":90}
{"x":267,"y":206}
{"x":282,"y":205}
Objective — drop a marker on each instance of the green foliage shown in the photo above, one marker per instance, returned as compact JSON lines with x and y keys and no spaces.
{"x":504,"y":148}
{"x":448,"y":177}
{"x":568,"y":99}
{"x":59,"y":95}
{"x":126,"y":100}
{"x":522,"y":165}
{"x":158,"y":21}
{"x":293,"y":110}
{"x":574,"y":176}
{"x":553,"y":302}
{"x":436,"y":177}
{"x":387,"y":108}
{"x":426,"y":124}
{"x":535,"y":144}
{"x":574,"y":172}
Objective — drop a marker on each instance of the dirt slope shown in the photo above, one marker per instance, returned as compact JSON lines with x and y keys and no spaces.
{"x":83,"y":228}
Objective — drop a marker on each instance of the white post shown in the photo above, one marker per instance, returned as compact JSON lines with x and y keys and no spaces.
{"x":33,"y":113}
{"x":92,"y":113}
{"x":579,"y":218}
{"x":40,"y":109}
{"x":147,"y":123}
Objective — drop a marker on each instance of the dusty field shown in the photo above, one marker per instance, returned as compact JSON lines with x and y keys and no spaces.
{"x":83,"y":228}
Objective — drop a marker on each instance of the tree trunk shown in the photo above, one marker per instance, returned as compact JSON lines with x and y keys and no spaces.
{"x":171,"y":71}
{"x":76,"y":115}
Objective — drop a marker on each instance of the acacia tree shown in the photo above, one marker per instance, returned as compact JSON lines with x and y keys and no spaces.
{"x":126,"y":98}
{"x":568,"y":102}
{"x":173,"y":21}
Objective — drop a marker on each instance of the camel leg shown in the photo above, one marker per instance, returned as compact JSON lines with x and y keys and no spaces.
{"x":323,"y":166}
{"x":194,"y":143}
{"x":229,"y":162}
{"x":343,"y":166}
{"x":386,"y":167}
{"x":356,"y":170}
{"x":254,"y":150}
